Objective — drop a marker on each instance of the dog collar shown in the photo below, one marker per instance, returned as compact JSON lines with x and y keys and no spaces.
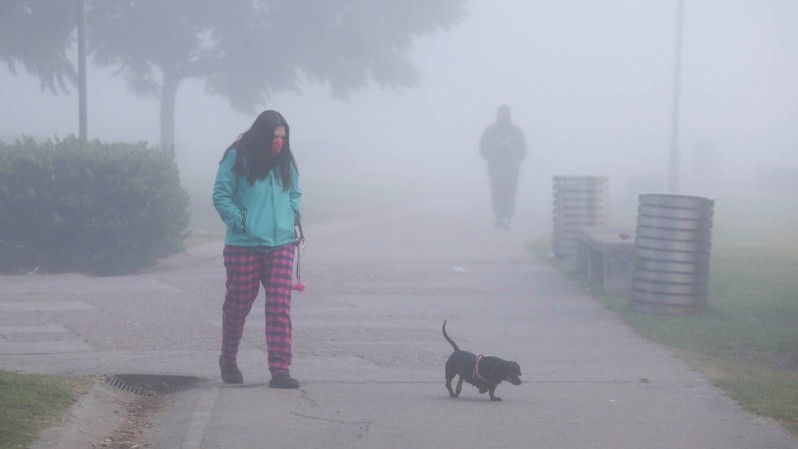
{"x":480,"y":376}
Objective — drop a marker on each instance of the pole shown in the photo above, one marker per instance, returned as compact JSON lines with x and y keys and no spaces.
{"x":82,"y":114}
{"x":673,"y":156}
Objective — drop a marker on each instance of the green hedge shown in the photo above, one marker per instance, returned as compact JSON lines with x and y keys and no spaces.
{"x":88,"y":206}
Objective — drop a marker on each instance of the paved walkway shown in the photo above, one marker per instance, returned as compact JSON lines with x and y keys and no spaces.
{"x":369,"y":351}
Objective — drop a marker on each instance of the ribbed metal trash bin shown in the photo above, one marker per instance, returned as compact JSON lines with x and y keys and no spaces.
{"x":672,"y":247}
{"x":578,"y":201}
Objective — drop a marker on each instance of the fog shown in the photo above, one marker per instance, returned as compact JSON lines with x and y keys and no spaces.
{"x":591,"y":84}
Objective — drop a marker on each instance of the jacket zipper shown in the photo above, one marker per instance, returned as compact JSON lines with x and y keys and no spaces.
{"x":274,"y":216}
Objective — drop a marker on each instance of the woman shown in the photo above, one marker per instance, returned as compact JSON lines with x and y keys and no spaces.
{"x":257,"y":196}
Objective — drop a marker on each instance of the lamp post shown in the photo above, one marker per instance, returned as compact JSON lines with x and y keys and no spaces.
{"x":673,"y":153}
{"x":82,"y":115}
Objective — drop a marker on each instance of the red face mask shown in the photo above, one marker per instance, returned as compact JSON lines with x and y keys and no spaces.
{"x":277,"y":146}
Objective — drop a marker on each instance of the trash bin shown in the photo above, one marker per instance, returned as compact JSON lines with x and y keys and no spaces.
{"x":672,"y":247}
{"x":578,"y":201}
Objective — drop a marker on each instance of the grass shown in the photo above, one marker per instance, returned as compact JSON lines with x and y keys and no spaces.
{"x":31,"y":403}
{"x":746,"y":340}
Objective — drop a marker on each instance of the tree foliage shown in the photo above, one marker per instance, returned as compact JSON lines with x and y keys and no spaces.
{"x":247,"y":50}
{"x":39,"y":35}
{"x":244,"y":50}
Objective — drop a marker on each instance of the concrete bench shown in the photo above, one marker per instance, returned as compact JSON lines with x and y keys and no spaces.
{"x":605,"y":256}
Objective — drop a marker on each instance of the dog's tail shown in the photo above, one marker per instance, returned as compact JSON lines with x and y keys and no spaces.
{"x":454,"y":345}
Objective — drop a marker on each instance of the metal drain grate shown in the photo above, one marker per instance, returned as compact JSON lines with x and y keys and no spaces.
{"x":150,"y":384}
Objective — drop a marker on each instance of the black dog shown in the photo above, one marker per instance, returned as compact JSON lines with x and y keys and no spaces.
{"x":483,"y":372}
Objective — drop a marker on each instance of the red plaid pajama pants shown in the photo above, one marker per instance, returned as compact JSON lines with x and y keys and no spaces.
{"x":246,"y":270}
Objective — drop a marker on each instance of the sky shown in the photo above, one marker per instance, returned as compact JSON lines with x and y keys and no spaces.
{"x":590,"y":83}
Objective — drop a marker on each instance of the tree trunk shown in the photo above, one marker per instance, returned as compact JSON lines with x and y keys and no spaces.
{"x":168,"y":99}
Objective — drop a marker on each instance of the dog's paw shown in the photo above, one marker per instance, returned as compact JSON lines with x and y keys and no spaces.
{"x":495,"y":398}
{"x":452,"y":393}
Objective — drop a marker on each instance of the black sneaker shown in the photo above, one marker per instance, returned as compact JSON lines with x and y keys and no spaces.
{"x":230,"y":372}
{"x":283,"y":380}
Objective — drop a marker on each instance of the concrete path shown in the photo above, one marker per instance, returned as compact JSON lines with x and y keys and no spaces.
{"x":369,"y":351}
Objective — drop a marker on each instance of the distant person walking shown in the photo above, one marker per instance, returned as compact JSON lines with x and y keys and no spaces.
{"x":257,"y":196}
{"x":504,"y":148}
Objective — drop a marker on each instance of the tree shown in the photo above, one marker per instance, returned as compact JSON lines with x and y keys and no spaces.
{"x":248,"y":50}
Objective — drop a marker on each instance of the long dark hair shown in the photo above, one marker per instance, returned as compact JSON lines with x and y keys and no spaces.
{"x":254,"y":150}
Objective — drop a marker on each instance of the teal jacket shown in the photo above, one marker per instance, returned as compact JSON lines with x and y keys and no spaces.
{"x":259,"y":214}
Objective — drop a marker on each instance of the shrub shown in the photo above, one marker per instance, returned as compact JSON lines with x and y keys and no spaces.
{"x":90,"y":206}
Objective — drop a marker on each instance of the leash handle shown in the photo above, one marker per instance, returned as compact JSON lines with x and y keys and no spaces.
{"x":300,"y":240}
{"x":300,"y":235}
